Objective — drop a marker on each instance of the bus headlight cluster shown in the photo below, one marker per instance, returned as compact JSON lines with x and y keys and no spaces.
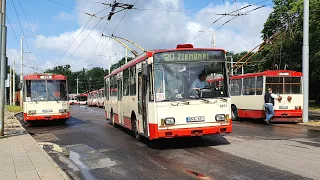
{"x":32,"y":112}
{"x":168,"y":121}
{"x":220,"y":117}
{"x":62,"y":110}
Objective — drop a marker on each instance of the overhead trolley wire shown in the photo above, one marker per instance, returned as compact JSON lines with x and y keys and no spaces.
{"x":31,"y":30}
{"x":23,"y":32}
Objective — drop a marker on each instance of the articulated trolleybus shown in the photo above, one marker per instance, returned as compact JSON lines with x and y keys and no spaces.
{"x":152,"y":95}
{"x":45,"y":97}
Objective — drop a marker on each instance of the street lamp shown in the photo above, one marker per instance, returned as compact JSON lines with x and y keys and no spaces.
{"x":213,"y":42}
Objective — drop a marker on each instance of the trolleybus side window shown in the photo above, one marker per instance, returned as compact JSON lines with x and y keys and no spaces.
{"x":113,"y":86}
{"x":133,"y":81}
{"x":120,"y":88}
{"x":126,"y":85}
{"x":249,"y":86}
{"x":236,"y":86}
{"x":259,"y":85}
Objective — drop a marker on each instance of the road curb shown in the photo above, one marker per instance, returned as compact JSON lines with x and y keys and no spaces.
{"x":54,"y":164}
{"x":311,"y":125}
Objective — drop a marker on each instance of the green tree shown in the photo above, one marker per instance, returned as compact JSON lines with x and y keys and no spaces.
{"x":287,"y":18}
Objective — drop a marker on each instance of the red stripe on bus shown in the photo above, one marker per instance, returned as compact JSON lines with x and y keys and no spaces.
{"x":43,"y":117}
{"x":116,"y":118}
{"x":155,"y":133}
{"x":278,"y":114}
{"x":127,"y":123}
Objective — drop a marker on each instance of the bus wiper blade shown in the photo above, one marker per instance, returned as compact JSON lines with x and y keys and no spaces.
{"x":206,"y":100}
{"x":54,"y":98}
{"x":223,"y":98}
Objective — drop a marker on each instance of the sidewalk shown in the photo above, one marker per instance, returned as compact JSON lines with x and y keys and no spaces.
{"x":22,"y":158}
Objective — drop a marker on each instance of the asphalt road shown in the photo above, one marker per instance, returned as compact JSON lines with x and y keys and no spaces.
{"x":88,"y":147}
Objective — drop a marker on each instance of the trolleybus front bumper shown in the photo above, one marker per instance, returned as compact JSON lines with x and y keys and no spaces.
{"x":156,"y":133}
{"x":27,"y":117}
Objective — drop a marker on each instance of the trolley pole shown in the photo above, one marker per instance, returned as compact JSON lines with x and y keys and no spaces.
{"x":126,"y":55}
{"x":3,"y":63}
{"x":14,"y":83}
{"x":305,"y":61}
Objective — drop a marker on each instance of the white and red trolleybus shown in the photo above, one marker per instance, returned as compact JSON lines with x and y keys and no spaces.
{"x":247,"y":94}
{"x":82,"y":99}
{"x":92,"y":99}
{"x":152,"y":96}
{"x":45,"y":97}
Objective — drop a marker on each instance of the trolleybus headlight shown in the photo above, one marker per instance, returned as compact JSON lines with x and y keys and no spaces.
{"x":169,"y":121}
{"x":62,"y":110}
{"x":32,"y":112}
{"x":289,"y":98}
{"x":220,"y":117}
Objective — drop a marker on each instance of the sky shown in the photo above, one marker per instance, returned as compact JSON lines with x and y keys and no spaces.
{"x":60,"y":32}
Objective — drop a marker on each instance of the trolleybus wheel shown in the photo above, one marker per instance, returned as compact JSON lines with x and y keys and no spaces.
{"x":135,"y":129}
{"x":234,"y":113}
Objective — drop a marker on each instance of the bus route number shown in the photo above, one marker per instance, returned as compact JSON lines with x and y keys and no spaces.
{"x":160,"y":96}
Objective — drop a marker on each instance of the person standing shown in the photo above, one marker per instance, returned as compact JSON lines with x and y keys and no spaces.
{"x":269,"y":98}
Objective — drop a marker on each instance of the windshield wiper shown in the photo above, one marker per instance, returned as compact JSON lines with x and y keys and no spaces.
{"x":54,"y":98}
{"x":223,"y":98}
{"x":206,"y":100}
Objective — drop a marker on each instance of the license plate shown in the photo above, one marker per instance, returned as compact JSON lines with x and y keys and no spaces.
{"x":283,"y":107}
{"x":195,"y":119}
{"x":47,"y":110}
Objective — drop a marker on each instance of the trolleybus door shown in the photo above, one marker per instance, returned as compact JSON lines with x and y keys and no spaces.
{"x":143,"y":96}
{"x":119,"y":105}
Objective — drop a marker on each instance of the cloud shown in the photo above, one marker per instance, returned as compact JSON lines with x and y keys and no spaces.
{"x":63,"y":16}
{"x":153,"y":30}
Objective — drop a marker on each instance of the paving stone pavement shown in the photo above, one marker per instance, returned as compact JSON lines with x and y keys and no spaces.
{"x":22,"y":158}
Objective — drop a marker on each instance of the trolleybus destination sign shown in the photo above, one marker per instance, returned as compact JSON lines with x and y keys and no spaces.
{"x":203,"y":55}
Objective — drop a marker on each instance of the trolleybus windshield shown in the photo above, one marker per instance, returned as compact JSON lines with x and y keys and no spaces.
{"x":174,"y":73}
{"x":46,"y":90}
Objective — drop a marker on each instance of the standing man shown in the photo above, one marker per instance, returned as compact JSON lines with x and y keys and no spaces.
{"x":269,"y":98}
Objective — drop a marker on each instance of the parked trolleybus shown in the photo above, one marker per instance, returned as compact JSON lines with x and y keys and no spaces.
{"x":100,"y":98}
{"x":247,"y":94}
{"x":92,"y":99}
{"x":45,"y":97}
{"x":152,"y":95}
{"x":82,"y":99}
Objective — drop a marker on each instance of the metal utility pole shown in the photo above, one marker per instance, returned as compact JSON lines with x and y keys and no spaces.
{"x":305,"y":61}
{"x":3,"y":62}
{"x":213,"y":41}
{"x":21,"y":70}
{"x":77,"y":85}
{"x":10,"y":86}
{"x":14,"y":82}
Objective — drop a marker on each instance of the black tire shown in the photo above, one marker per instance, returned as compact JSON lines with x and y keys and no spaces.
{"x":234,"y":113}
{"x":135,"y":131}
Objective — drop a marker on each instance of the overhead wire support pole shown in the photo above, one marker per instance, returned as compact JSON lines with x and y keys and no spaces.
{"x":3,"y":63}
{"x":14,"y":82}
{"x":305,"y":61}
